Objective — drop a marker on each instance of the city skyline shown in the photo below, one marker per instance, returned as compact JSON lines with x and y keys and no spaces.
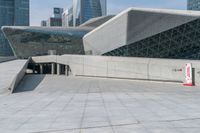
{"x":114,"y":7}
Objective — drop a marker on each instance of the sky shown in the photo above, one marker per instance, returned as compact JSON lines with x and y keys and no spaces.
{"x":43,"y":9}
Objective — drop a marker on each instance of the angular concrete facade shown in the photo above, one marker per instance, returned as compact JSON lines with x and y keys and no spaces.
{"x":32,"y":41}
{"x":135,"y":32}
{"x":138,"y":24}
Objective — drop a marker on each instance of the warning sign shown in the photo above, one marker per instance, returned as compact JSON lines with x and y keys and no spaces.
{"x":188,"y":75}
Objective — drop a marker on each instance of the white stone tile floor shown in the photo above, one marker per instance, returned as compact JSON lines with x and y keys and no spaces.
{"x":59,"y":104}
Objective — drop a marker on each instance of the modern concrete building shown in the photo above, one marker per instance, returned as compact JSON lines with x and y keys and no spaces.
{"x":32,"y":41}
{"x":154,"y":33}
{"x":135,"y":32}
{"x":84,"y":10}
{"x":103,"y":91}
{"x":12,"y":13}
{"x":193,"y":4}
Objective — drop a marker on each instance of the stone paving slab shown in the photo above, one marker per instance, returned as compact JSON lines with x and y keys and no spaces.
{"x":59,"y":104}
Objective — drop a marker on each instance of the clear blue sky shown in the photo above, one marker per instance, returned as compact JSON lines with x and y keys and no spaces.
{"x":42,"y":9}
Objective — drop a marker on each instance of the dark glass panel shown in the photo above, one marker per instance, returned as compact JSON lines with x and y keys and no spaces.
{"x":182,"y":42}
{"x":28,"y":43}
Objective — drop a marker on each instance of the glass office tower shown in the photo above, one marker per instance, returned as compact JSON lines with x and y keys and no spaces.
{"x":12,"y":12}
{"x":193,"y":4}
{"x":56,"y":19}
{"x":83,"y":10}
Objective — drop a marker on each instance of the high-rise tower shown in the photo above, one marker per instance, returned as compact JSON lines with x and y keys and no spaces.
{"x":83,"y":10}
{"x":12,"y":13}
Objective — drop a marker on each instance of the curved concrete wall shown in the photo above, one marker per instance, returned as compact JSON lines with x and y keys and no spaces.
{"x":132,"y":25}
{"x":120,"y":67}
{"x":101,"y":39}
{"x":144,"y":24}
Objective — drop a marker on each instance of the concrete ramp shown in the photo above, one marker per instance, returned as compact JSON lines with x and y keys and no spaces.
{"x":46,"y":83}
{"x":11,"y":74}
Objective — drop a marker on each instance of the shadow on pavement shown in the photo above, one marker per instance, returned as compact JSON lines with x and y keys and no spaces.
{"x":29,"y":83}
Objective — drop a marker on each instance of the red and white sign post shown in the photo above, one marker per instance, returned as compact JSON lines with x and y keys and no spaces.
{"x":188,"y":75}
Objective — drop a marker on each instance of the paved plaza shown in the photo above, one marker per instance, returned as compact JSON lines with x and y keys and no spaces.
{"x":59,"y":104}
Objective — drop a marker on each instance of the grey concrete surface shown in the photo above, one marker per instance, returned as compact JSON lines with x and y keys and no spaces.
{"x":123,"y":67}
{"x":95,"y":22}
{"x":132,"y":25}
{"x":19,"y":76}
{"x":11,"y":73}
{"x":58,"y":104}
{"x":4,"y":59}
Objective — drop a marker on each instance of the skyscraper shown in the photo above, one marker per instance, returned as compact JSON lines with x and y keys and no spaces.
{"x":43,"y":23}
{"x":193,"y":4}
{"x":57,"y":12}
{"x":56,"y":19}
{"x":12,"y":12}
{"x":83,"y":10}
{"x":67,"y":18}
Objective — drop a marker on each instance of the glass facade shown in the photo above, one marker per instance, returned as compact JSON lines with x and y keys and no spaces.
{"x":92,"y":8}
{"x":84,"y":10}
{"x":21,"y":17}
{"x":38,"y":41}
{"x":12,"y":12}
{"x":6,"y":18}
{"x":43,"y":23}
{"x":193,"y":4}
{"x":70,"y":17}
{"x":5,"y":49}
{"x":182,"y":42}
{"x":58,"y":12}
{"x":54,"y":22}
